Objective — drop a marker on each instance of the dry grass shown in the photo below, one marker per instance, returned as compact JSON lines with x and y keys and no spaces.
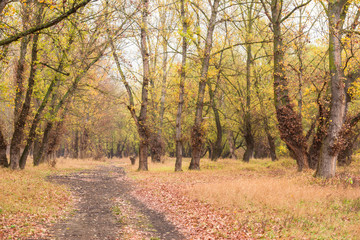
{"x":271,"y":198}
{"x":27,"y":200}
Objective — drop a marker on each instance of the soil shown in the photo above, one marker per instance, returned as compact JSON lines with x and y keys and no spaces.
{"x":105,"y":209}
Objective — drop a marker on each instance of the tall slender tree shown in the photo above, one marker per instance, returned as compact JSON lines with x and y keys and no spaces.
{"x":197,"y":132}
{"x":178,"y":137}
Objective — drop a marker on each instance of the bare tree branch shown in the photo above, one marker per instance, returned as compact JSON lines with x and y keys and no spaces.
{"x":292,"y":11}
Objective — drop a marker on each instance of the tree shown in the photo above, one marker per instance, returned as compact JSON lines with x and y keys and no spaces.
{"x":290,"y":126}
{"x":3,"y":146}
{"x":42,"y":26}
{"x":20,"y":119}
{"x":178,"y":136}
{"x":197,"y":134}
{"x":336,"y":12}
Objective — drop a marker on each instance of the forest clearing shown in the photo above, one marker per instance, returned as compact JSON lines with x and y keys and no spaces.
{"x":226,"y":200}
{"x":179,"y":119}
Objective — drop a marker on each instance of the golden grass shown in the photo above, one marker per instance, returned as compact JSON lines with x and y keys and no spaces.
{"x":272,"y":198}
{"x":26,"y":198}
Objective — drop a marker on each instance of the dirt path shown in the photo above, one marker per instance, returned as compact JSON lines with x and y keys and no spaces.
{"x":106,"y":209}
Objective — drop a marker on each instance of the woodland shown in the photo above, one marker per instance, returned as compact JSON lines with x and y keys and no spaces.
{"x":179,"y":119}
{"x":189,"y":78}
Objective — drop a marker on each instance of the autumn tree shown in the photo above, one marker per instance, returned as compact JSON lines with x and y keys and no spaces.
{"x":290,"y":126}
{"x":178,"y":136}
{"x":197,"y":134}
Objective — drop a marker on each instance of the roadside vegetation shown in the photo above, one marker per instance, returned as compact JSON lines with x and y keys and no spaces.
{"x":270,"y":199}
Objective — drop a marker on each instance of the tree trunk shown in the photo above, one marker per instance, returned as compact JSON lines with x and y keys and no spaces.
{"x":19,"y":78}
{"x":20,"y":66}
{"x":345,"y":155}
{"x":332,"y":142}
{"x":249,"y":138}
{"x":163,"y":86}
{"x":290,"y":126}
{"x":143,"y":150}
{"x":217,"y":145}
{"x":156,"y":147}
{"x":36,"y":147}
{"x":232,"y":146}
{"x":21,"y":121}
{"x":3,"y":147}
{"x":315,"y":148}
{"x":197,"y":134}
{"x":142,"y":124}
{"x":76,"y":145}
{"x":39,"y":157}
{"x":250,"y":145}
{"x":55,"y":136}
{"x":349,"y":138}
{"x":272,"y":147}
{"x":140,"y":120}
{"x":178,"y":137}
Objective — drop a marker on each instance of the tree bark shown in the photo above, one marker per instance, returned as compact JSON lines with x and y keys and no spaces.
{"x":315,"y":148}
{"x":349,"y":138}
{"x":164,"y":72}
{"x":290,"y":126}
{"x":232,"y":145}
{"x":19,"y":78}
{"x":156,"y":147}
{"x":178,"y":137}
{"x":197,"y":133}
{"x":36,"y":146}
{"x":55,"y":136}
{"x":332,"y":142}
{"x":21,"y":121}
{"x":345,"y":155}
{"x":216,"y":148}
{"x":3,"y":147}
{"x":143,"y":150}
{"x":20,"y":65}
{"x":272,"y":147}
{"x":142,"y":119}
{"x":249,"y":138}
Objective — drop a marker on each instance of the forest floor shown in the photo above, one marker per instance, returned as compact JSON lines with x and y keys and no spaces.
{"x":230,"y":199}
{"x":84,"y":199}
